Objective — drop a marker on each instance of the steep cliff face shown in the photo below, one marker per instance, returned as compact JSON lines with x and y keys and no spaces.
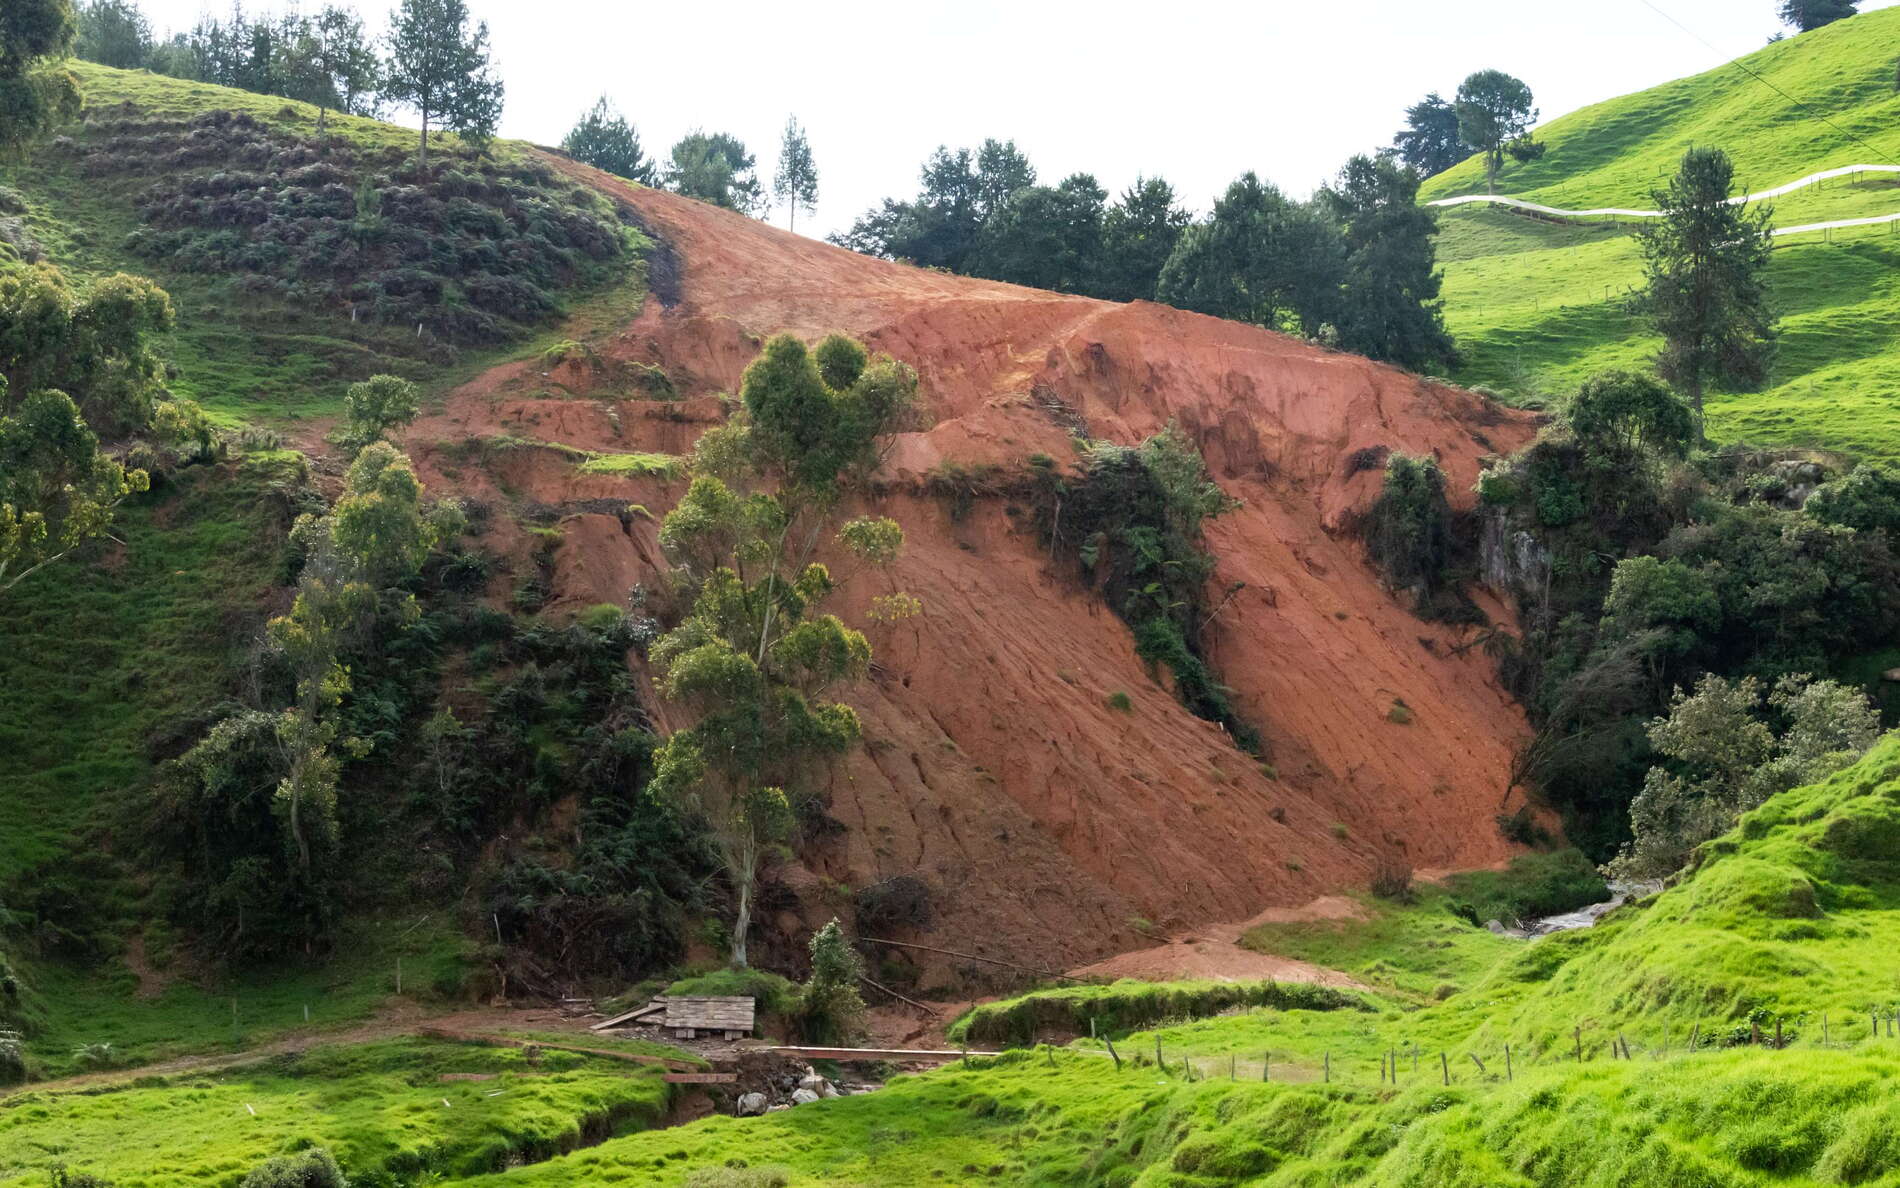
{"x":1045,"y":820}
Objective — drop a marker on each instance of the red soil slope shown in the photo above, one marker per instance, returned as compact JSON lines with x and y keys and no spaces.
{"x":1044,"y":820}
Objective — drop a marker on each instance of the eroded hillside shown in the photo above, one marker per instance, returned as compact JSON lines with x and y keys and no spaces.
{"x":1048,"y":822}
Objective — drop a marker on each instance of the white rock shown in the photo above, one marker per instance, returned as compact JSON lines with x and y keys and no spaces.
{"x":804,"y":1097}
{"x":752,"y":1104}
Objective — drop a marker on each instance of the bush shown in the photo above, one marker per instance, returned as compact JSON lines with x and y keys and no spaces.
{"x":830,"y":1008}
{"x":901,"y":901}
{"x":314,"y":1168}
{"x":1130,"y":1005}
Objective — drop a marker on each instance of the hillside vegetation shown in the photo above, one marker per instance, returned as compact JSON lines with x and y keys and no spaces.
{"x":1536,"y":306}
{"x":1782,"y":924}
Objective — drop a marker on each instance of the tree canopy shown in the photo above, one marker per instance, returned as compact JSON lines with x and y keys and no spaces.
{"x":1706,"y":265}
{"x":1389,"y":308}
{"x":1048,"y":237}
{"x":36,"y":89}
{"x":796,"y":182}
{"x":714,"y":168}
{"x":603,"y":138}
{"x":1495,"y":113}
{"x":1261,"y":257}
{"x":1812,"y":14}
{"x":1430,"y":142}
{"x":439,"y":66}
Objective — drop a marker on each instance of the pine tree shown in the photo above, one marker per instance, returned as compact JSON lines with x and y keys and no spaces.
{"x":604,"y":139}
{"x":1429,"y":142}
{"x":440,"y":67}
{"x":1138,"y":235}
{"x":1389,"y":309}
{"x":796,"y":183}
{"x":1706,"y":261}
{"x":1812,"y":14}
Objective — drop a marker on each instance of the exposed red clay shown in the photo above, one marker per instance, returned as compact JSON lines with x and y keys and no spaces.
{"x":1053,"y":829}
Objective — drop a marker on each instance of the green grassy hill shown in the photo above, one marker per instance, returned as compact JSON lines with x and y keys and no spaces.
{"x":1537,"y":305}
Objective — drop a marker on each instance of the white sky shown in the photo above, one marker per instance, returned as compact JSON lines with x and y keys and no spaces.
{"x":1195,"y":90}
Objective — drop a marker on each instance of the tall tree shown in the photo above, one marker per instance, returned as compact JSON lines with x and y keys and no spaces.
{"x":1047,"y":237}
{"x":1260,"y":258}
{"x":439,"y":66}
{"x":1138,"y":235}
{"x":714,"y":168}
{"x":330,"y":62}
{"x":56,"y":489}
{"x":36,"y":89}
{"x":1430,"y":142}
{"x":796,"y":183}
{"x":113,"y":33}
{"x":1812,"y":14}
{"x":1389,"y":308}
{"x":604,"y":139}
{"x":753,"y":660}
{"x":1001,"y":170}
{"x":1495,"y":112}
{"x":1706,"y":261}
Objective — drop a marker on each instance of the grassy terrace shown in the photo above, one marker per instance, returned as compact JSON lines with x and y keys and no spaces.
{"x":1537,"y":306}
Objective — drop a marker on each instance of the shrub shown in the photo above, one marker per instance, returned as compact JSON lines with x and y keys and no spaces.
{"x":1129,"y":1005}
{"x":313,"y":1168}
{"x":1392,"y":879}
{"x":1120,"y":701}
{"x":830,"y":1008}
{"x":901,"y":901}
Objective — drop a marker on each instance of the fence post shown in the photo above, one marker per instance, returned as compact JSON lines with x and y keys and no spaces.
{"x":1231,"y":1074}
{"x":1266,"y":1066}
{"x":1327,"y":1071}
{"x":1695,"y":1033}
{"x":1112,"y":1055}
{"x":1777,"y":1033}
{"x":1159,"y":1063}
{"x":1507,"y":1062}
{"x":1482,"y":1071}
{"x":1444,"y":1066}
{"x":1579,"y":1037}
{"x":1824,"y":1029}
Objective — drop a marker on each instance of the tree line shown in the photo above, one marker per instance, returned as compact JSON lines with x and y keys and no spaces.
{"x":433,"y":61}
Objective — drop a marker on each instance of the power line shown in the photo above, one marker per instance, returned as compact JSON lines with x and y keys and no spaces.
{"x":1771,"y":86}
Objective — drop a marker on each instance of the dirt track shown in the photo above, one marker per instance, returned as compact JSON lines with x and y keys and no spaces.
{"x":1048,"y":824}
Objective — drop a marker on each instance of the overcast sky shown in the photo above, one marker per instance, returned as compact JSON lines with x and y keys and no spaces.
{"x":1194,"y":90}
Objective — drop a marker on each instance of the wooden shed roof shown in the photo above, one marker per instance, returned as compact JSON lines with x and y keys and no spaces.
{"x":721,"y":1012}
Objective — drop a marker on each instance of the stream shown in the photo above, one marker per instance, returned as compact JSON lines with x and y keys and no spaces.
{"x":1584,"y":916}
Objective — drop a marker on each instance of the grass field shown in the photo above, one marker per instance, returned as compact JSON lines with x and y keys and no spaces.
{"x":381,"y":1108}
{"x":1536,"y":306}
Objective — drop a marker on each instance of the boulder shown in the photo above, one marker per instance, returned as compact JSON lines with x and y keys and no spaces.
{"x":804,"y":1097}
{"x":751,"y":1105}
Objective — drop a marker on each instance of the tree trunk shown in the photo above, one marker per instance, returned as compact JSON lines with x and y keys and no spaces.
{"x":742,"y":918}
{"x":422,"y":153}
{"x":794,"y":225}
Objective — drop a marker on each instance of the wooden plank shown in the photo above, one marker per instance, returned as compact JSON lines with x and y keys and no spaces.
{"x":652,"y":1008}
{"x":700,"y":1078}
{"x":899,"y":1055}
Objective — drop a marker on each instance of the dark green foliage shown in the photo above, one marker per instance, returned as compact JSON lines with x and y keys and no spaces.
{"x":473,"y":254}
{"x":97,"y":346}
{"x":36,"y":91}
{"x":1408,"y":531}
{"x":714,"y":168}
{"x":1706,"y":266}
{"x":311,"y":1168}
{"x":1622,"y":414}
{"x":961,"y":191}
{"x":1389,"y":309}
{"x":1495,"y":113}
{"x":604,"y":139}
{"x":1866,"y":499}
{"x":1132,"y":520}
{"x":113,"y":33}
{"x":1260,"y":258}
{"x":830,"y":1009}
{"x":1430,"y":143}
{"x":1532,"y":886}
{"x":1635,"y":575}
{"x":1129,"y":1005}
{"x":1138,"y":235}
{"x":1045,"y":237}
{"x":438,"y":66}
{"x":1812,"y":14}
